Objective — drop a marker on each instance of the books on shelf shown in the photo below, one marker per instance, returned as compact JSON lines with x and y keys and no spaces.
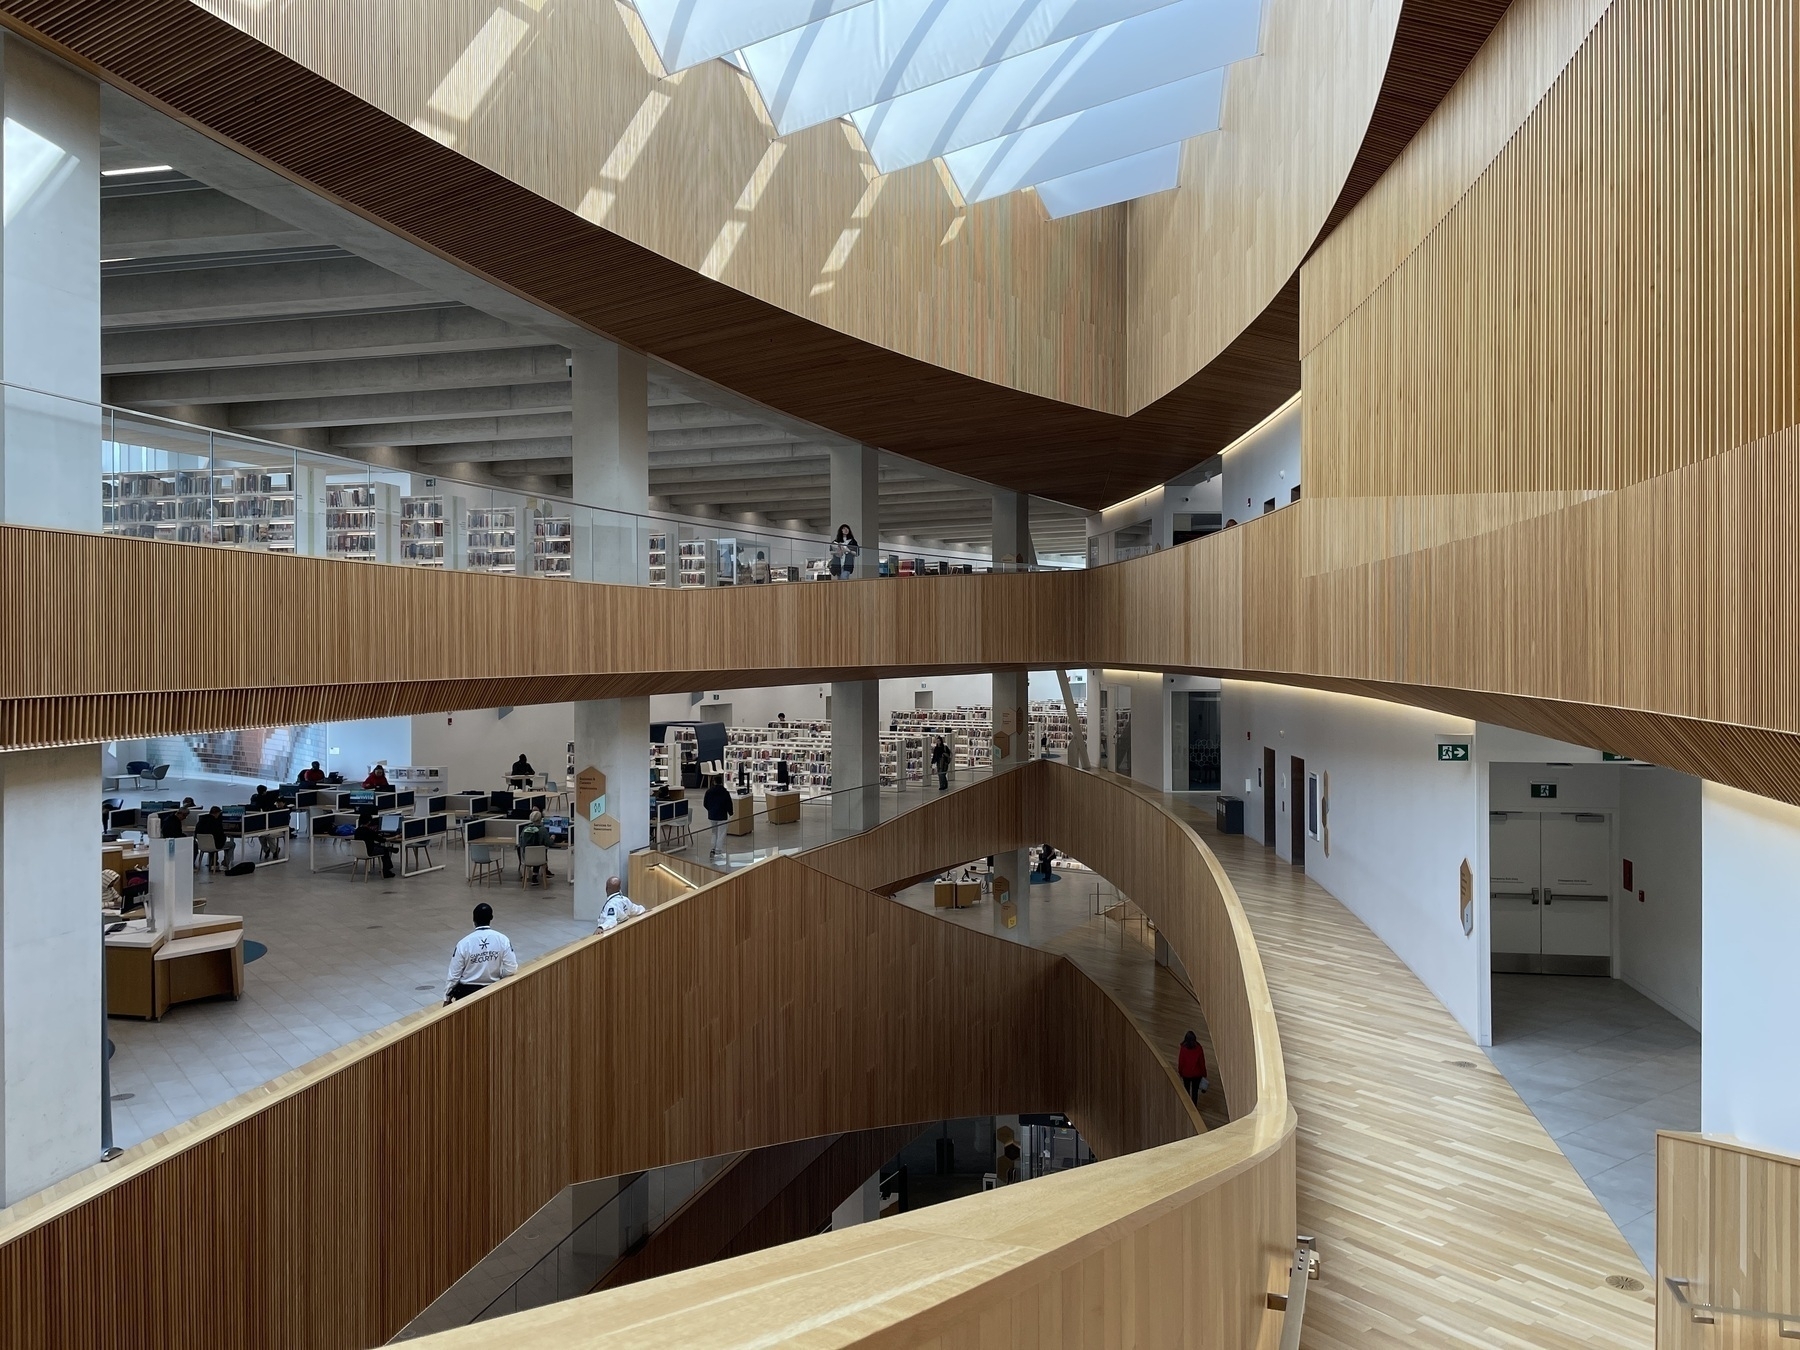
{"x":693,"y":561}
{"x":553,"y":547}
{"x":659,"y":559}
{"x":422,"y":531}
{"x":351,"y":522}
{"x":240,"y":508}
{"x":493,"y":539}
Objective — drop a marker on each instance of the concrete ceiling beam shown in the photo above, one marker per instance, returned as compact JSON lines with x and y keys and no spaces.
{"x":254,"y":291}
{"x":497,"y":452}
{"x":369,"y":376}
{"x":412,"y":405}
{"x":288,"y":341}
{"x":450,"y":430}
{"x":187,"y":224}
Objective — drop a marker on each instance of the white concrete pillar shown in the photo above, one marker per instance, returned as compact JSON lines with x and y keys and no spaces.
{"x":1011,"y":748}
{"x":611,"y":447}
{"x":856,"y":704}
{"x":613,"y":735}
{"x":49,"y":966}
{"x":49,"y":292}
{"x":1013,"y":549}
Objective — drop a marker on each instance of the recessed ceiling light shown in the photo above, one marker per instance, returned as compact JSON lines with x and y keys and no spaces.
{"x":142,"y":168}
{"x":107,"y":260}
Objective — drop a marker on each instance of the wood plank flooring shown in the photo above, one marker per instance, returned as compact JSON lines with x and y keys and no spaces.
{"x":1445,"y":1212}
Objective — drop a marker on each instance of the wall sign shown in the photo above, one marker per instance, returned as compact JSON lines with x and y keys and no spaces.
{"x":590,"y":785}
{"x":604,"y":831}
{"x":1543,"y":792}
{"x":1453,"y":752}
{"x":1608,"y":757}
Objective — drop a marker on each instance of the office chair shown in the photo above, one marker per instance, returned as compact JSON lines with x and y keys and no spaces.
{"x":483,"y":861}
{"x":362,"y":856}
{"x":534,"y":856}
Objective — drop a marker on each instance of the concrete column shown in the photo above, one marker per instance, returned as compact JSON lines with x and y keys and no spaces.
{"x":1012,"y":696}
{"x":611,"y":447}
{"x":50,"y":431}
{"x":49,"y":293}
{"x":1013,"y":549}
{"x":856,"y":704}
{"x":49,"y":967}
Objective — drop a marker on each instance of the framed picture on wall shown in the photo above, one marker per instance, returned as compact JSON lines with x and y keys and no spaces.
{"x":1312,"y":807}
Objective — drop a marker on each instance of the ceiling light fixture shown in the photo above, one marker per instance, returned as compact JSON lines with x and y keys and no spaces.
{"x":142,"y":168}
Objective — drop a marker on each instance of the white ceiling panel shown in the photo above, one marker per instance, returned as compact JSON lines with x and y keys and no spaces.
{"x":880,"y":50}
{"x":1167,"y":44}
{"x":1126,"y":126}
{"x":1119,"y":180}
{"x":687,"y":32}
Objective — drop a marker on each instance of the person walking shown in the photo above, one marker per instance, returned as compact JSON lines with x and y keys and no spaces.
{"x":617,"y":908}
{"x":718,"y":812}
{"x":481,"y":958}
{"x":1190,"y":1063}
{"x":940,"y":762}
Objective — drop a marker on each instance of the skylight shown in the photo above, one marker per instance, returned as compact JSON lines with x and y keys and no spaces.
{"x":1087,"y":101}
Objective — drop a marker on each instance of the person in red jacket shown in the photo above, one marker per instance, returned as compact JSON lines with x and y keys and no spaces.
{"x":377,"y":778}
{"x":1190,"y":1063}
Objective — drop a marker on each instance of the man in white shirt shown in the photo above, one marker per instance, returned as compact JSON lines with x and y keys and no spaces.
{"x":479,"y":959}
{"x":618,"y":907}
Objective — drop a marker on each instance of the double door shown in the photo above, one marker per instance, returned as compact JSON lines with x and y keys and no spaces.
{"x":1549,"y":892}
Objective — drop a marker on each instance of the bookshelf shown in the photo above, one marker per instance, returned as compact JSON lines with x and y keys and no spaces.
{"x":238,"y":508}
{"x":422,"y":531}
{"x":693,"y":561}
{"x":553,"y":547}
{"x":352,"y":522}
{"x":493,"y":538}
{"x":659,"y":560}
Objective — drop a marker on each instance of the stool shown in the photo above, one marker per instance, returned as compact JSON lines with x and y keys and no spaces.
{"x":483,"y":861}
{"x":413,"y":848}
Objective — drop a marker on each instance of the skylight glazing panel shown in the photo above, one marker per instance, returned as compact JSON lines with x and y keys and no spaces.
{"x":1164,"y":45}
{"x":1122,"y":180}
{"x":687,"y":32}
{"x":878,"y":51}
{"x":1128,"y":126}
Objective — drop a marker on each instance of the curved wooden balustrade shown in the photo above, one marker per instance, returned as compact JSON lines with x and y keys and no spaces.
{"x":1526,"y":624}
{"x":779,"y":1003}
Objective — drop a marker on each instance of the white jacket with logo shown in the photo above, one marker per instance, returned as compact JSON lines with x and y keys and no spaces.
{"x":481,"y":958}
{"x":616,"y":910}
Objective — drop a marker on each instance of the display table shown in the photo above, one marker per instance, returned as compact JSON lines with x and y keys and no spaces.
{"x":743,"y":815}
{"x":147,"y":972}
{"x":968,"y":893}
{"x":784,"y":807}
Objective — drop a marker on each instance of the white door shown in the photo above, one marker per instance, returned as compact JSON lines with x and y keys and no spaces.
{"x":1577,"y":867}
{"x":1514,"y":853}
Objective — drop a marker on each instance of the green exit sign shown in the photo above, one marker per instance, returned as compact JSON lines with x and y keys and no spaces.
{"x":1543,"y":791}
{"x":1608,"y":757}
{"x":1457,"y":752}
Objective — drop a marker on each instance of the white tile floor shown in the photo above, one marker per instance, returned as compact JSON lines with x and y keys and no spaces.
{"x":345,"y":958}
{"x":1603,"y":1068}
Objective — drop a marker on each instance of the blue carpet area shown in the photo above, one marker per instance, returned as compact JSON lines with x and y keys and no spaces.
{"x":253,"y":950}
{"x":1039,"y":879}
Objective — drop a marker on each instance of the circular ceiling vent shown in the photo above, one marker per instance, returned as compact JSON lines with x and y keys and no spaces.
{"x":1626,"y":1283}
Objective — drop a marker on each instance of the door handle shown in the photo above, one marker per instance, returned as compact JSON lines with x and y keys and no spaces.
{"x":1547,"y":894}
{"x":1534,"y":895}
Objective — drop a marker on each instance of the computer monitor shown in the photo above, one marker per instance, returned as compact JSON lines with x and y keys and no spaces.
{"x":390,"y":822}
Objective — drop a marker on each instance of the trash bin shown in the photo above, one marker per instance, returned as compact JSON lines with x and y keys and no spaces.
{"x":1229,"y":815}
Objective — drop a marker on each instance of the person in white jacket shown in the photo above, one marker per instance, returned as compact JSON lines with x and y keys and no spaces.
{"x":618,"y":907}
{"x":481,"y":958}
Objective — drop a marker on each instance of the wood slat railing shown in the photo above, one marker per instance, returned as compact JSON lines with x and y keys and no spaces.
{"x":777,"y":1004}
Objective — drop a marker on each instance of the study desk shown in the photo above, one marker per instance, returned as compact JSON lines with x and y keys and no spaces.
{"x":121,"y":859}
{"x":148,"y":972}
{"x":269,"y":828}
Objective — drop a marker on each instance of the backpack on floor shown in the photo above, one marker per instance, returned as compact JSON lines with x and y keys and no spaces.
{"x":242,"y":869}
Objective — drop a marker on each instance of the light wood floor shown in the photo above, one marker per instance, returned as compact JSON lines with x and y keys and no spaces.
{"x":1445,"y":1213}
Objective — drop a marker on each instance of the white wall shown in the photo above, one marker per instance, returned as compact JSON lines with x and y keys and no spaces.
{"x":351,"y":748}
{"x":1749,"y":1065}
{"x":1401,"y":823}
{"x":1263,"y":463}
{"x":1660,"y":936}
{"x":477,"y":747}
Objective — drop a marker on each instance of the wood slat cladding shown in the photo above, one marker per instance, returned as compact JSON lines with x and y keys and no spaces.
{"x":329,"y":1207}
{"x":1726,"y":1220}
{"x":1569,"y":329}
{"x":1527,"y":50}
{"x":1434,"y":43}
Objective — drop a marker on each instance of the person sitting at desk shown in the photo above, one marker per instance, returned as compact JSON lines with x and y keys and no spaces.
{"x":368,"y":829}
{"x":521,"y":773}
{"x":377,"y":778}
{"x":263,"y":800}
{"x":314,"y":776}
{"x":213,"y":824}
{"x":532,"y":834}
